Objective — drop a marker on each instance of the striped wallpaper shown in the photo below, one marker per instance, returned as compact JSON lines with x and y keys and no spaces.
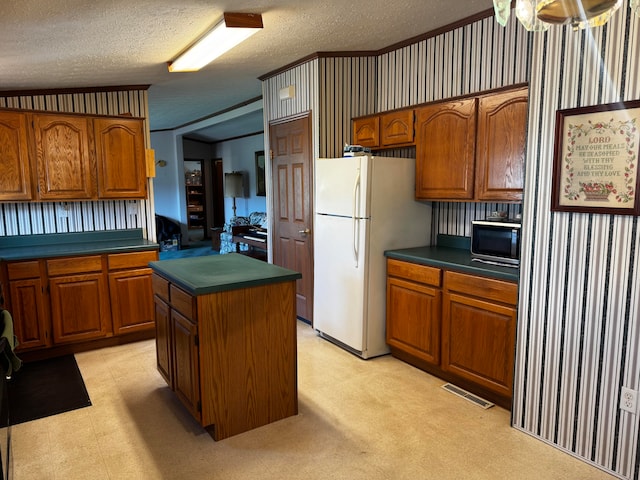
{"x":578,"y":332}
{"x":578,"y":336}
{"x":28,"y":218}
{"x":478,"y":57}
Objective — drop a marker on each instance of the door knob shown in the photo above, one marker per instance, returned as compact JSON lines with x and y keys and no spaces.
{"x":305,"y":231}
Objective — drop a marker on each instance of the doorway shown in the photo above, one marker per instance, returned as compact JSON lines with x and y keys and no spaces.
{"x":214,"y":191}
{"x":292,"y":202}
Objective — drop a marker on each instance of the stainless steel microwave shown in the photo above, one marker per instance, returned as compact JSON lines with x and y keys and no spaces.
{"x":496,"y":240}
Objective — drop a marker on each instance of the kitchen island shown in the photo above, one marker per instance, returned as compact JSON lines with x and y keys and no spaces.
{"x":226,"y":339}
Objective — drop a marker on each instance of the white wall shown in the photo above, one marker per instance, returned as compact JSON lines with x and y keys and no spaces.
{"x":166,"y":183}
{"x":239,"y":155}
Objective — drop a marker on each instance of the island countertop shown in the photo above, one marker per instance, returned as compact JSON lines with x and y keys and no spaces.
{"x":218,"y":273}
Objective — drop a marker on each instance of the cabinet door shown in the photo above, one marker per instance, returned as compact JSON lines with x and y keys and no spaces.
{"x":79,"y":307}
{"x":65,"y":166}
{"x":413,"y":319}
{"x":366,"y":131}
{"x":30,"y":319}
{"x":120,"y":158}
{"x":164,"y":352}
{"x":501,"y":142}
{"x":397,"y":127}
{"x":478,"y":341}
{"x":15,"y":180}
{"x":186,"y":379}
{"x":445,"y":150}
{"x":131,"y":300}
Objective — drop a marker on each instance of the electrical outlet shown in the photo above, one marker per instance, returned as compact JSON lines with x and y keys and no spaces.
{"x":629,"y":400}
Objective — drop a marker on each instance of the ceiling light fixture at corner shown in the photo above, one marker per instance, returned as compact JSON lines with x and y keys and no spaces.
{"x":580,"y":14}
{"x":232,"y":30}
{"x":537,"y":15}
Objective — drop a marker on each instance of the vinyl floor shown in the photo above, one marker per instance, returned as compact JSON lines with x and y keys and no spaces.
{"x":379,"y":419}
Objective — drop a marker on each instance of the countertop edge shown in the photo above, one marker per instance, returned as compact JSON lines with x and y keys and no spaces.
{"x":69,"y":250}
{"x":421,"y":256}
{"x":197,"y":291}
{"x":194,"y":283}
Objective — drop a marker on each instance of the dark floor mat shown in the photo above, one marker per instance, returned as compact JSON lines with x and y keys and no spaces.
{"x":44,"y":388}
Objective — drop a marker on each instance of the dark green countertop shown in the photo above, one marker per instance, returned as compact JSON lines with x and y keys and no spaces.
{"x":27,"y":247}
{"x":218,"y":273}
{"x":450,"y":258}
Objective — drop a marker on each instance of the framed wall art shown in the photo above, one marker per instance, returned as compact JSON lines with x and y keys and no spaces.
{"x":261,"y":190}
{"x":596,"y":159}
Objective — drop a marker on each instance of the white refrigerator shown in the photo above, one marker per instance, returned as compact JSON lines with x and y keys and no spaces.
{"x":364,"y":205}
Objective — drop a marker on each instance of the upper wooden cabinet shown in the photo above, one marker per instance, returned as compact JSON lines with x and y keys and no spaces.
{"x":64,"y":164}
{"x":500,"y":148}
{"x":385,"y":130}
{"x":445,"y":150}
{"x":15,"y":181}
{"x":396,"y":128}
{"x":70,"y":157}
{"x":120,"y":158}
{"x":472,"y":149}
{"x":366,"y":131}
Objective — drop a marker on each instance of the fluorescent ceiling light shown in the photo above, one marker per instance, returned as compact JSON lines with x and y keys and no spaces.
{"x":233,"y":29}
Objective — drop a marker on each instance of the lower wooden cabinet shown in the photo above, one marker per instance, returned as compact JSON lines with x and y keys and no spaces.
{"x":186,"y":370}
{"x":413,"y":309}
{"x":28,"y":304}
{"x":130,"y":291}
{"x":164,"y":351}
{"x":457,"y":326}
{"x":79,"y":307}
{"x":78,"y":299}
{"x":479,"y":330}
{"x":177,"y":351}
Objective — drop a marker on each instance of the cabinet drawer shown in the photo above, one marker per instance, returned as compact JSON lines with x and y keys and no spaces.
{"x":414,"y":272}
{"x":182,"y":301}
{"x":131,"y":260}
{"x":160,"y":287}
{"x":21,"y":270}
{"x":482,"y":287}
{"x":73,"y":265}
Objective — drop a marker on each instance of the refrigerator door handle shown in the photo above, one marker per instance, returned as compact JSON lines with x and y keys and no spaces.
{"x":356,"y":230}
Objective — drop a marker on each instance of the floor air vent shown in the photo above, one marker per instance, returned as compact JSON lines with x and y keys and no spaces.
{"x":481,"y":402}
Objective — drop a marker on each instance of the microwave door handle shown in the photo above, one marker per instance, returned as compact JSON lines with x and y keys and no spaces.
{"x":514,"y":243}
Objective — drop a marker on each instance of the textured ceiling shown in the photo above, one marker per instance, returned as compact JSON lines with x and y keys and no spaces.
{"x":82,"y":43}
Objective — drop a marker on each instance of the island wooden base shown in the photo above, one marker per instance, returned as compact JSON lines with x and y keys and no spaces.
{"x":248,"y":349}
{"x":230,"y":356}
